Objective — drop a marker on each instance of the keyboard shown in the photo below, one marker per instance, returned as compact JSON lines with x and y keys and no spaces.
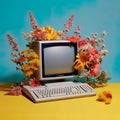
{"x":57,"y":91}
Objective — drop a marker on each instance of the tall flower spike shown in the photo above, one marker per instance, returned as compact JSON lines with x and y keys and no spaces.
{"x":33,"y":22}
{"x":12,"y":42}
{"x":67,"y":26}
{"x":69,"y":23}
{"x":77,"y":30}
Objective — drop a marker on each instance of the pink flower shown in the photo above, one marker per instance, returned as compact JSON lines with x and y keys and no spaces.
{"x":33,"y":22}
{"x":77,"y":30}
{"x":93,"y":54}
{"x":12,"y":42}
{"x":93,"y":42}
{"x":69,"y":23}
{"x":33,"y":82}
{"x":67,"y":26}
{"x":95,"y":69}
{"x":16,"y":90}
{"x":13,"y":54}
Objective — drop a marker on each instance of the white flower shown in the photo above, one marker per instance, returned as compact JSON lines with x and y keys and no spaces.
{"x":104,"y":52}
{"x":104,"y":33}
{"x":88,"y":38}
{"x":102,"y":46}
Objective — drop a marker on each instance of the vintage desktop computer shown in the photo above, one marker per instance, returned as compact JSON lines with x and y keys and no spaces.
{"x":56,"y":65}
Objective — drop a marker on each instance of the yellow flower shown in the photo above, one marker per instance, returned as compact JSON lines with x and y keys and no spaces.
{"x":26,"y":51}
{"x":25,"y":67}
{"x":47,"y":29}
{"x":32,"y":64}
{"x":32,"y":55}
{"x":33,"y":67}
{"x":81,"y":64}
{"x":51,"y":34}
{"x":36,"y":62}
{"x":28,"y":72}
{"x":78,"y":65}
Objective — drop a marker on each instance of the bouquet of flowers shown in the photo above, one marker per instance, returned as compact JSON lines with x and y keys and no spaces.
{"x":88,"y":61}
{"x":91,"y":52}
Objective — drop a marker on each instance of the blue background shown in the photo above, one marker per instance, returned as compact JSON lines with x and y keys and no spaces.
{"x":91,"y":15}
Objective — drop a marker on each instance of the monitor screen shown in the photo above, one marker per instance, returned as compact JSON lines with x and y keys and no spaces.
{"x":56,"y":59}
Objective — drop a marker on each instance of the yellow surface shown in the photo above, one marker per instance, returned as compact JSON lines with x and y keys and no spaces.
{"x":87,"y":108}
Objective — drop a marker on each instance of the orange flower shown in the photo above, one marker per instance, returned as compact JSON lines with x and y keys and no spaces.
{"x":37,"y":31}
{"x":73,"y":38}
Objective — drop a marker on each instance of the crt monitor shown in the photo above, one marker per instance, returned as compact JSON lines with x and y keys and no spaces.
{"x":56,"y":59}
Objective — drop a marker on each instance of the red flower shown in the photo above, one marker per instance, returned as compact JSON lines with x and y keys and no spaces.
{"x":83,"y":57}
{"x":33,"y":82}
{"x":22,"y":58}
{"x":37,"y":31}
{"x":107,"y":94}
{"x":82,"y":43}
{"x":73,"y":38}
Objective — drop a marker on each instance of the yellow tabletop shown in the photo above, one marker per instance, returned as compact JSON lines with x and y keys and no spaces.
{"x":86,"y":108}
